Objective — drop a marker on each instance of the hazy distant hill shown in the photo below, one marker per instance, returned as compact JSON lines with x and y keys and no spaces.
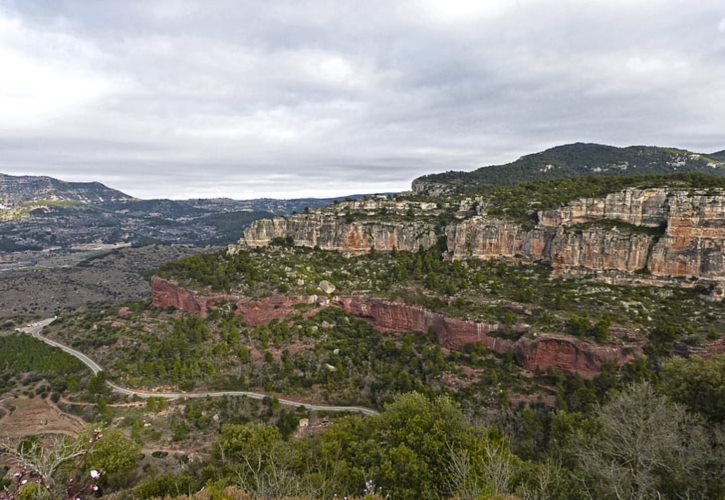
{"x":16,"y":190}
{"x":720,"y":155}
{"x":576,"y":160}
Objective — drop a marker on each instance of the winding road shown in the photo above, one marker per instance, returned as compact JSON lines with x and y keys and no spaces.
{"x":36,"y":328}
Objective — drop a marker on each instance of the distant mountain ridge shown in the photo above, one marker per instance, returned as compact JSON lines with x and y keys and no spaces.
{"x":16,"y":190}
{"x":42,"y":212}
{"x":574,"y":160}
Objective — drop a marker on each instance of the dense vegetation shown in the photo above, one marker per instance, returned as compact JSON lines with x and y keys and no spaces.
{"x":581,"y":160}
{"x":475,"y":289}
{"x":637,"y":444}
{"x":654,"y":438}
{"x":339,"y":358}
{"x":25,"y":360}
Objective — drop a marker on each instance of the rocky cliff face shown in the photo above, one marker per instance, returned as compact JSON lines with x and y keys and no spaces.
{"x":165,"y":293}
{"x":398,"y":316}
{"x":570,"y":355}
{"x":545,"y":351}
{"x":662,"y":232}
{"x":658,"y":232}
{"x":639,"y":207}
{"x":540,"y":353}
{"x":331,"y":232}
{"x":434,"y":189}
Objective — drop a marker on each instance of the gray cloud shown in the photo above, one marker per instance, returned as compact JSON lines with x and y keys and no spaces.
{"x":181,"y":98}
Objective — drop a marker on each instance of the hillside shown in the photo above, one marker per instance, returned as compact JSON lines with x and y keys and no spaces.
{"x":720,"y":155}
{"x":17,"y":190}
{"x":475,"y":298}
{"x":570,"y":161}
{"x":549,"y":316}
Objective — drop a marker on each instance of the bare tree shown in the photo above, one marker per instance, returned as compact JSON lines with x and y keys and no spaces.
{"x":35,"y":463}
{"x":462,"y":476}
{"x":648,"y":447}
{"x":544,"y":480}
{"x":488,"y":472}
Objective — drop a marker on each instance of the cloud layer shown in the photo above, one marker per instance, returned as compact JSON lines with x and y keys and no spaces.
{"x":182,"y":98}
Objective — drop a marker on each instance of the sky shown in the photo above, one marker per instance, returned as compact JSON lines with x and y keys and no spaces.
{"x":244,"y":99}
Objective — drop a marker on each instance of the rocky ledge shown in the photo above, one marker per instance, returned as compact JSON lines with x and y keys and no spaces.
{"x":568,"y":354}
{"x":165,"y":293}
{"x":658,"y":233}
{"x":663,"y":233}
{"x":331,"y":232}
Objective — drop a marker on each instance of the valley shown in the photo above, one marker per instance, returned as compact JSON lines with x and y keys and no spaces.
{"x":516,"y":320}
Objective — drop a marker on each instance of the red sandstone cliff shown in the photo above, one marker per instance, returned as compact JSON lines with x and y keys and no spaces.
{"x":570,"y":355}
{"x":164,"y":293}
{"x":546,"y":351}
{"x":566,"y":353}
{"x":398,"y":316}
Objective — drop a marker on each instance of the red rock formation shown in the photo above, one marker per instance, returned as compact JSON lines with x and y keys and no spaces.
{"x":398,"y":316}
{"x":566,"y":353}
{"x":262,"y":311}
{"x":570,"y":355}
{"x":715,"y":348}
{"x":165,"y":293}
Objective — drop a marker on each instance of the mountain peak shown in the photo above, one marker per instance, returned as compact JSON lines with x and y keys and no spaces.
{"x":16,"y":190}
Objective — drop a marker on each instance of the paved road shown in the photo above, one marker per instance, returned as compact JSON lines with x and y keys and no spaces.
{"x":36,"y":328}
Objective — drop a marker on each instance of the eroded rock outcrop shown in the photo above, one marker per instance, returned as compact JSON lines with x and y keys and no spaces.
{"x":566,"y":353}
{"x":661,"y":232}
{"x":639,"y":207}
{"x":261,"y":311}
{"x":570,"y":355}
{"x":658,"y":232}
{"x":352,"y":227}
{"x":331,"y":232}
{"x":452,"y":333}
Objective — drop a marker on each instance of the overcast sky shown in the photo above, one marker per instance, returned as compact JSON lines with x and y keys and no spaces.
{"x":182,"y":98}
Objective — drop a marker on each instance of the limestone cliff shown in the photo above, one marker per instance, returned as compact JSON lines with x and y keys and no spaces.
{"x":332,"y":232}
{"x":662,"y":232}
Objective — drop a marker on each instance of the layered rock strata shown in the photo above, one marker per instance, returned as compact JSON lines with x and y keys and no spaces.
{"x":660,"y":232}
{"x":543,"y":352}
{"x":165,"y":293}
{"x":331,"y":232}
